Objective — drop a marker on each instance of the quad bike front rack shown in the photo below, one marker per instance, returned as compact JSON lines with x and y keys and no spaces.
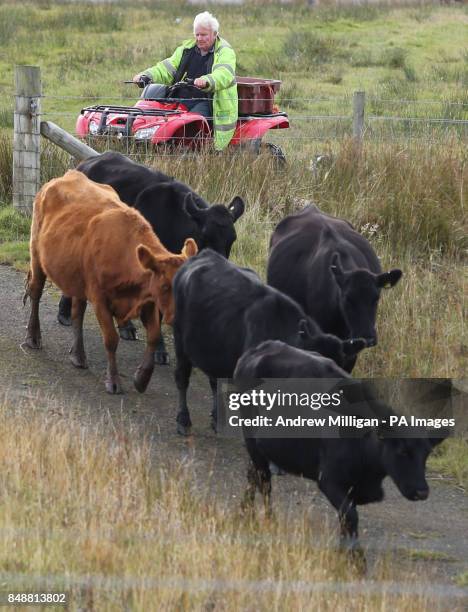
{"x":132,"y":113}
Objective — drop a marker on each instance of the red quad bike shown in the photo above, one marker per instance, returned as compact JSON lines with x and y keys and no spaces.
{"x":160,"y":119}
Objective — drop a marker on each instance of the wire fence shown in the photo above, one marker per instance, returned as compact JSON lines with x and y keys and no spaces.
{"x":334,"y":99}
{"x":310,"y":119}
{"x":297,"y":134}
{"x":287,"y":126}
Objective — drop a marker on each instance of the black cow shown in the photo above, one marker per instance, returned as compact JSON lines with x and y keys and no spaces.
{"x":348,"y":471}
{"x":221,"y":310}
{"x":331,"y":271}
{"x":173,"y":209}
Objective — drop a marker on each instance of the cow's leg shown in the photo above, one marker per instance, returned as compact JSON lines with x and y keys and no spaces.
{"x":64,"y":316}
{"x":264,"y":477}
{"x":111,"y":342}
{"x":34,"y":288}
{"x":77,"y":351}
{"x":214,"y":409}
{"x":348,"y":517}
{"x":349,"y":541}
{"x":248,"y":501}
{"x":150,"y":319}
{"x":182,"y":377}
{"x":258,"y":477}
{"x":183,"y":370}
{"x":161,"y":357}
{"x":127,"y":331}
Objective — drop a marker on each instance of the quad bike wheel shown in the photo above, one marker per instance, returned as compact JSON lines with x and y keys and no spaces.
{"x":275,"y":151}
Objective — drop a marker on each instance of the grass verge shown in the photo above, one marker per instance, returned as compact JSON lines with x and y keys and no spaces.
{"x":15,"y":254}
{"x":91,"y":501}
{"x":452,"y":459}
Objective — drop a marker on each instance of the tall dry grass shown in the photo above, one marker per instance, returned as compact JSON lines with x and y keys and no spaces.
{"x":415,"y":194}
{"x":409,"y":202}
{"x":88,"y":509}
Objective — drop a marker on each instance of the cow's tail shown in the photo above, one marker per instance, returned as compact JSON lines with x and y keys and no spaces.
{"x":27,"y":283}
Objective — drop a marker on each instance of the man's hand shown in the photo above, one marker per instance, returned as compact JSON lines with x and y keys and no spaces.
{"x":142,"y":78}
{"x":200,"y":83}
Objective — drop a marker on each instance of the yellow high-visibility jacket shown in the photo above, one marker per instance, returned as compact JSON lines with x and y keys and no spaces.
{"x":222,"y":80}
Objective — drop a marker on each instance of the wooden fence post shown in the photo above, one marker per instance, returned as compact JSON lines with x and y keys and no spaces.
{"x":26,"y":139}
{"x":359,"y":101}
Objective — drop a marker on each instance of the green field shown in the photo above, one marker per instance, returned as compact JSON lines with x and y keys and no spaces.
{"x":417,"y":53}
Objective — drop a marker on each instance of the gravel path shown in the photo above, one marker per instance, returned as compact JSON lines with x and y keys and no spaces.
{"x":433,"y":531}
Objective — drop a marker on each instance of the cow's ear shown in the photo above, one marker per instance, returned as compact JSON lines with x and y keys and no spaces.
{"x":354,"y":346}
{"x":236,"y":207}
{"x":190,"y":248}
{"x":146,"y":258}
{"x":191,"y":208}
{"x":336,"y":268}
{"x":389,"y":279}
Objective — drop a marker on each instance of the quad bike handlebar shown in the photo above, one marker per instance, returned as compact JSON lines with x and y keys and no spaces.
{"x":187,"y":83}
{"x":142,"y":82}
{"x":145,"y":80}
{"x":167,"y":93}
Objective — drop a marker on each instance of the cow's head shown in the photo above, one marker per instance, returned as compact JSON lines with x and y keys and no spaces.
{"x":163,"y":268}
{"x":404,"y":460}
{"x":359,"y":293}
{"x":310,"y":339}
{"x":216,"y":223}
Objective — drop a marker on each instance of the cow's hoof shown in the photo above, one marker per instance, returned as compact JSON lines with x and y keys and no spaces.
{"x":128,"y":332}
{"x":34,"y":343}
{"x":161,"y":358}
{"x":142,"y":378}
{"x":184,"y":430}
{"x":214,"y":425}
{"x":79,"y":361}
{"x":113,"y":387}
{"x":64,"y":319}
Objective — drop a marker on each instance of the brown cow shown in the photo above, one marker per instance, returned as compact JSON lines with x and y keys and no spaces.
{"x":94,"y":247}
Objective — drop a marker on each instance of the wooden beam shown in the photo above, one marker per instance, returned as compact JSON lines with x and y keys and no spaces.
{"x":79,"y":150}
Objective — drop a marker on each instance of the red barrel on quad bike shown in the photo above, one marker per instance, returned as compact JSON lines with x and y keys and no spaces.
{"x":256,"y":96}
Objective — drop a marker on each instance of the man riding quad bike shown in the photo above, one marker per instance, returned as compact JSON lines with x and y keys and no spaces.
{"x":193,"y":98}
{"x":161,"y":118}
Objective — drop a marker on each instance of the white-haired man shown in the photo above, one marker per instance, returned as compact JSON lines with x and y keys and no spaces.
{"x":211,"y":62}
